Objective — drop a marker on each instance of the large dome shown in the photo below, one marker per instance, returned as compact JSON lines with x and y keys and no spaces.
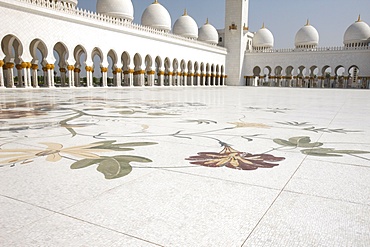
{"x":307,"y":37}
{"x":116,"y":8}
{"x":156,"y":16}
{"x":208,"y":33}
{"x":358,"y":34}
{"x":263,"y":39}
{"x":186,"y":27}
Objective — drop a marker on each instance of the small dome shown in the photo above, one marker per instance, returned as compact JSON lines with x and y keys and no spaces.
{"x":186,"y":26}
{"x":116,"y":8}
{"x":357,"y":34}
{"x":263,"y":39}
{"x":156,"y":16}
{"x":307,"y":37}
{"x":208,"y":33}
{"x":72,"y":2}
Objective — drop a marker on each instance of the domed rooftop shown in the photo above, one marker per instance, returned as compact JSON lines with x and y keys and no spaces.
{"x":116,"y":8}
{"x":357,"y":34}
{"x":208,"y":33}
{"x":307,"y":37}
{"x":263,"y":39}
{"x":186,"y":27}
{"x":156,"y":16}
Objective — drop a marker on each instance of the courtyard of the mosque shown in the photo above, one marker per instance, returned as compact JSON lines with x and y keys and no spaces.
{"x":185,"y":166}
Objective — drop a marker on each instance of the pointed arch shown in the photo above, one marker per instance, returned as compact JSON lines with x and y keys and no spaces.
{"x":39,"y":53}
{"x":13,"y":51}
{"x":80,"y":55}
{"x":61,"y":54}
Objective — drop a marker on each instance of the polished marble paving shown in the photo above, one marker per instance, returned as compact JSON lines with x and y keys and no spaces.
{"x":185,"y":166}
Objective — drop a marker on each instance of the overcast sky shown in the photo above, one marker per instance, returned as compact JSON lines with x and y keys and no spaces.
{"x":283,"y":17}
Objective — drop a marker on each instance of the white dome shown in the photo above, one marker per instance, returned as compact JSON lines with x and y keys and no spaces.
{"x":307,"y":36}
{"x":208,"y":33}
{"x":156,"y":16}
{"x":186,"y":27}
{"x":263,"y":38}
{"x":357,"y":33}
{"x":116,"y":8}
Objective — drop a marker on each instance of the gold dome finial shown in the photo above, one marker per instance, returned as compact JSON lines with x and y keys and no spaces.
{"x":155,"y":1}
{"x":308,"y":22}
{"x":185,"y":12}
{"x":207,"y":21}
{"x":263,"y":25}
{"x":359,"y":18}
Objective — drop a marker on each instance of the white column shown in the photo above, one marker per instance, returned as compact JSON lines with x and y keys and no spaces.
{"x":19,"y":75}
{"x":197,"y":76}
{"x":104,"y":72}
{"x":35,"y":79}
{"x":77,"y":77}
{"x":89,"y":78}
{"x":175,"y":79}
{"x":151,"y":78}
{"x":49,"y":76}
{"x":161,"y":78}
{"x":63,"y":76}
{"x":170,"y":78}
{"x":52,"y":76}
{"x":25,"y":76}
{"x":131,"y":77}
{"x":202,"y":79}
{"x":29,"y":77}
{"x":71,"y":79}
{"x":2,"y":81}
{"x":126,"y":78}
{"x":141,"y":78}
{"x":118,"y":76}
{"x":217,"y":80}
{"x":10,"y":74}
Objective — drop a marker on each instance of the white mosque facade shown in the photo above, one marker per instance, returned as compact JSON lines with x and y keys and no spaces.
{"x":52,"y":43}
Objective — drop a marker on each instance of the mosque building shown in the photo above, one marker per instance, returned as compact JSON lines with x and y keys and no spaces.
{"x":53,"y":43}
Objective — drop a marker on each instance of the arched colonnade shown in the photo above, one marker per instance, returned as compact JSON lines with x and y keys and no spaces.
{"x":308,"y":77}
{"x":38,"y":65}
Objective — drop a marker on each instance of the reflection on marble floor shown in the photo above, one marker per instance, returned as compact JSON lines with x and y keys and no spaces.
{"x":63,"y":151}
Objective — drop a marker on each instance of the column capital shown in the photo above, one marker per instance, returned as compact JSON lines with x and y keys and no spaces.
{"x":34,"y":66}
{"x":49,"y":66}
{"x":1,"y":63}
{"x":70,"y":67}
{"x":104,"y":69}
{"x":24,"y":65}
{"x":9,"y":65}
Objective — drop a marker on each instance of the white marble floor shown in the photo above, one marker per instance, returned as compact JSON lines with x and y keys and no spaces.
{"x":224,"y":166}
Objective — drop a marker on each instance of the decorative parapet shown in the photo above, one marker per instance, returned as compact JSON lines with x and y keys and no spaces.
{"x":317,"y":49}
{"x":83,"y":13}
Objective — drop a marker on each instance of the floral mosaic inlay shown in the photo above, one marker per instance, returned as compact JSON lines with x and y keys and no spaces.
{"x":115,"y":130}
